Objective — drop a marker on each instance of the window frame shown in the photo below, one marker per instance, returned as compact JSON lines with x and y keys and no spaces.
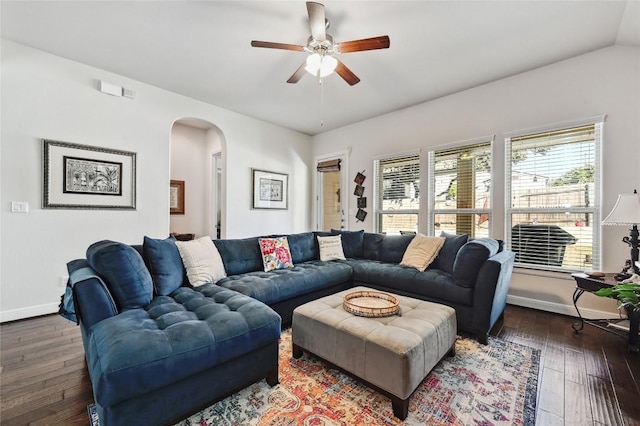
{"x":594,"y":209}
{"x":378,"y":211}
{"x":431,"y":179}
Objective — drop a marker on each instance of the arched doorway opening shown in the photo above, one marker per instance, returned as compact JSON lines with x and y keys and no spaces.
{"x":198,"y":166}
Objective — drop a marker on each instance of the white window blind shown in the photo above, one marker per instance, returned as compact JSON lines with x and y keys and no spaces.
{"x":553,"y":186}
{"x":460,"y":190}
{"x":397,"y":193}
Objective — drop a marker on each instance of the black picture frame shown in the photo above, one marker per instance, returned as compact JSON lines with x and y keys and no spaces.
{"x":77,"y":176}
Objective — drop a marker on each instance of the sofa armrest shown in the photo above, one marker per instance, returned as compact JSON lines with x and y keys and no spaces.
{"x":91,"y":297}
{"x":491,"y":288}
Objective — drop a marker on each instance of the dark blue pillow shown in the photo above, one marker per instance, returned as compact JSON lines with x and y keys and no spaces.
{"x":352,"y":242}
{"x":165,"y":264}
{"x":470,"y":259}
{"x":123,"y":270}
{"x":449,"y":251}
{"x":372,"y":245}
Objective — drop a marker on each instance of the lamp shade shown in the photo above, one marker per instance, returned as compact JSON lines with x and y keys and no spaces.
{"x":321,"y":64}
{"x":626,"y":211}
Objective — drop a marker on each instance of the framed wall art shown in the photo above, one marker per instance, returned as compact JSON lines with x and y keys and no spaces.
{"x":176,"y":197}
{"x":270,"y":190}
{"x":87,"y":177}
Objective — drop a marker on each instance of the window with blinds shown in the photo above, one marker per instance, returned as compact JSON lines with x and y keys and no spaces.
{"x":460,"y":190}
{"x":553,"y":181}
{"x":397,"y":193}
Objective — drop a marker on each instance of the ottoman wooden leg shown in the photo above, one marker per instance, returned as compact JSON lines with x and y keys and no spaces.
{"x":296,"y":351}
{"x":400,"y":407}
{"x":272,"y":377}
{"x":452,"y":351}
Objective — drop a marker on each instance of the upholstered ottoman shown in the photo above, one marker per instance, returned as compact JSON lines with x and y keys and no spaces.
{"x":392,"y":354}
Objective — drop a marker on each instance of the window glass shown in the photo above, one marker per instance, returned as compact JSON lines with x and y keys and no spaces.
{"x":552,"y":214}
{"x":397,"y":192}
{"x":460,"y":190}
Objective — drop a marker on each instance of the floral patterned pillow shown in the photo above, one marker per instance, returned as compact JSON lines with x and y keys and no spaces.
{"x":275,"y":253}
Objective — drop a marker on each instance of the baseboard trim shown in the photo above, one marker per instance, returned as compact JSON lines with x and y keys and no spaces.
{"x":559,"y":308}
{"x":31,"y":311}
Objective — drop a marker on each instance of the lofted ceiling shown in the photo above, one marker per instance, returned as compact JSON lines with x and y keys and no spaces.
{"x":201,"y":49}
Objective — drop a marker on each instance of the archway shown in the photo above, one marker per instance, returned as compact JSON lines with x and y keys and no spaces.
{"x":198,"y":165}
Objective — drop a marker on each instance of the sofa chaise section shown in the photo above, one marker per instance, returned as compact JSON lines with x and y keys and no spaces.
{"x":175,"y":355}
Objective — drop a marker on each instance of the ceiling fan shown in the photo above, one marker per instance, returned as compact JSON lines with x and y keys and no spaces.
{"x":322,"y":49}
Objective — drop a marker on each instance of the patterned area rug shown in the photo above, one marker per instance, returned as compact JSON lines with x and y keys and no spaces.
{"x":492,"y":384}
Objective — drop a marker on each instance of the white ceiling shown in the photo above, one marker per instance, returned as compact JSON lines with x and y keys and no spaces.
{"x":202,"y":49}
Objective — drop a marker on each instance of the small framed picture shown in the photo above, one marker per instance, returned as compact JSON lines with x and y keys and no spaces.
{"x":359,"y":179}
{"x":176,"y":197}
{"x":361,"y":215}
{"x":362,"y":202}
{"x":358,"y":191}
{"x":270,"y":190}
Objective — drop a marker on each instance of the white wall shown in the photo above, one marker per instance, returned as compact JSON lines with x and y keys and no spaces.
{"x":606,"y":81}
{"x":45,"y":96}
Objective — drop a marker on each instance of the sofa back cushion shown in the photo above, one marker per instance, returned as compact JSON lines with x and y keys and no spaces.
{"x":124,"y":271}
{"x":393,"y":247}
{"x":470,"y":259}
{"x":449,"y":251}
{"x":240,"y":255}
{"x":164,"y":263}
{"x":303,"y":246}
{"x":352,"y":242}
{"x":372,"y":245}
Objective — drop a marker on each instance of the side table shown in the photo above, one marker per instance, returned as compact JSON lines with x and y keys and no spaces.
{"x":589,"y":284}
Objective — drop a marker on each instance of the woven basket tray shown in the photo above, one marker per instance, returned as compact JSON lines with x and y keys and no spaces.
{"x":372,"y":304}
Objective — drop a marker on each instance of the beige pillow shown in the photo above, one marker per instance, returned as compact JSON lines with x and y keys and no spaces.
{"x":201,"y":260}
{"x":331,"y":248}
{"x":422,"y":250}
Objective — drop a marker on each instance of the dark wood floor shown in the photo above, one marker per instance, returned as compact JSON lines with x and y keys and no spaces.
{"x":588,"y":378}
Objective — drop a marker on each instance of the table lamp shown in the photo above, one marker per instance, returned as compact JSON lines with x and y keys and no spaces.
{"x":627,"y":212}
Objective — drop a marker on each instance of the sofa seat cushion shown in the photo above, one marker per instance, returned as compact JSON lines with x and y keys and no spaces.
{"x":432,"y":284}
{"x":174,"y":337}
{"x":282,"y":284}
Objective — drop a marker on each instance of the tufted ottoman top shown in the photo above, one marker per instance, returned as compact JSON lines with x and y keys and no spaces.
{"x":174,"y":337}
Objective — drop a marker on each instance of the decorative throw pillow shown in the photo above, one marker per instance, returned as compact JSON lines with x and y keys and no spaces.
{"x":165,"y":264}
{"x":275,"y":253}
{"x":331,"y":248}
{"x":422,"y":250}
{"x":201,"y":260}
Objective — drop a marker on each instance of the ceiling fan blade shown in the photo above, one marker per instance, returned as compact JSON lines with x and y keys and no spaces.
{"x":271,"y":45}
{"x":346,"y":74}
{"x":317,"y":21}
{"x":298,"y":74}
{"x":373,"y":43}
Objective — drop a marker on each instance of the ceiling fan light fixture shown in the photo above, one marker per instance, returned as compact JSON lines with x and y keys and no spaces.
{"x":321,"y":65}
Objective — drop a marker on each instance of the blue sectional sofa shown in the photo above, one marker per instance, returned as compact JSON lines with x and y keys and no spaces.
{"x":471,"y":276}
{"x":159,"y":349}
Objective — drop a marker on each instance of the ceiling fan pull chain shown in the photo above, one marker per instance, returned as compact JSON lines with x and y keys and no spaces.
{"x":321,"y":102}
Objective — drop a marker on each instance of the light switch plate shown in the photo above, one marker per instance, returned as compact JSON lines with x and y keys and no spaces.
{"x":19,"y":207}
